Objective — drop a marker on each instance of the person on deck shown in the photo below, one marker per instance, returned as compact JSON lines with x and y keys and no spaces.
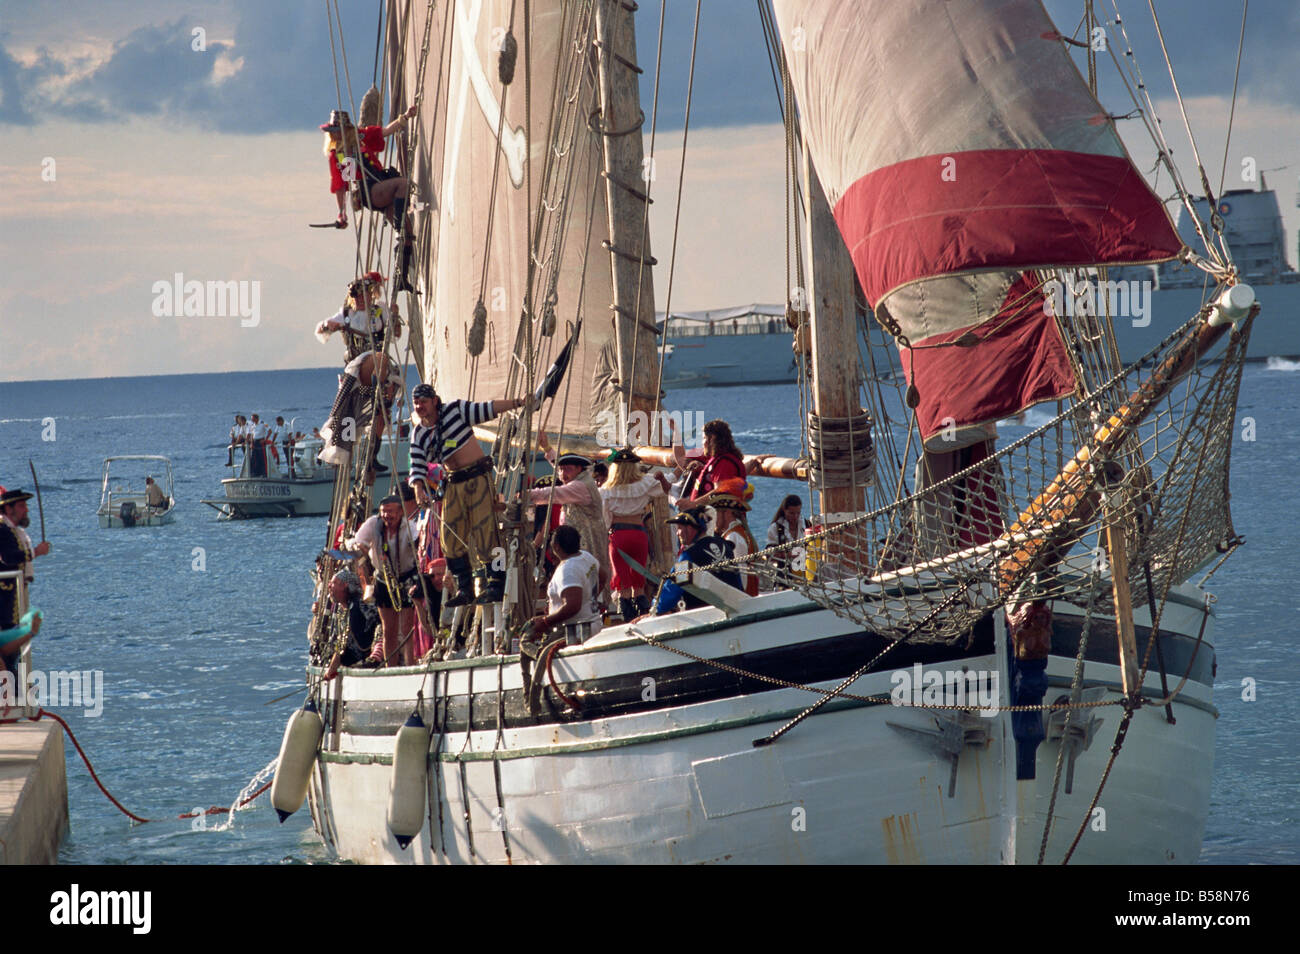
{"x":364,"y":319}
{"x":581,"y":505}
{"x":625,"y":497}
{"x":545,"y":521}
{"x":723,"y":461}
{"x":698,"y":549}
{"x":470,"y":536}
{"x":730,"y":526}
{"x":423,"y":525}
{"x":258,"y":435}
{"x":386,"y":538}
{"x":287,"y":439}
{"x":788,"y":526}
{"x":236,"y":438}
{"x":352,"y":622}
{"x":572,"y":595}
{"x":353,"y":156}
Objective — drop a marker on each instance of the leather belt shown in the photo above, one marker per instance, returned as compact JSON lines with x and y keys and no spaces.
{"x":476,"y":469}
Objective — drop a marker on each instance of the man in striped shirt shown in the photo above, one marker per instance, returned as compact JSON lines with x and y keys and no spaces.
{"x":444,"y":435}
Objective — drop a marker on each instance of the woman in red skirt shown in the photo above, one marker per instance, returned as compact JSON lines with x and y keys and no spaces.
{"x":625,"y":495}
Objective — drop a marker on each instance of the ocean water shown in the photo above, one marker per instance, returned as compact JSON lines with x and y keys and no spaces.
{"x":198,"y":626}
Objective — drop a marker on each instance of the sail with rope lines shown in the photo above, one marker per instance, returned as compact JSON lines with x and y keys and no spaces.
{"x":955,"y":163}
{"x":956,"y":187}
{"x":511,"y":209}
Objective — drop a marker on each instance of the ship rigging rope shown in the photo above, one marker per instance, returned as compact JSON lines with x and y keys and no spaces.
{"x":1131,"y":705}
{"x":347,"y":489}
{"x":554,"y":242}
{"x":681,"y":187}
{"x":902,"y":545}
{"x":480,"y":311}
{"x":1232,"y":111}
{"x":648,"y":178}
{"x":1182,"y":108}
{"x":1151,"y":120}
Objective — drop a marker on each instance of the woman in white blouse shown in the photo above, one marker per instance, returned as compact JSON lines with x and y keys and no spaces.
{"x":626,"y":495}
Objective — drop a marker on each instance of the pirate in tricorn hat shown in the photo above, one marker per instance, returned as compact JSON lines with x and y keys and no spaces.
{"x":16,"y":552}
{"x":365,"y":320}
{"x":353,"y":155}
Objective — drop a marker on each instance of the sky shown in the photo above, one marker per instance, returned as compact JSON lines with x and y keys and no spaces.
{"x":151,"y":139}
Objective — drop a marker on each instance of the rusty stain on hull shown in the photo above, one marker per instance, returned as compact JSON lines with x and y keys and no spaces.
{"x":900,"y":836}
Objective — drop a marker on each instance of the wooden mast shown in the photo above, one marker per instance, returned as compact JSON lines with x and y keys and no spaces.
{"x":620,"y":122}
{"x":832,"y":306}
{"x":626,"y":183}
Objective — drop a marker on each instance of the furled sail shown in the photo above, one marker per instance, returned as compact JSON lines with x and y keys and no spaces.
{"x":546,"y":144}
{"x":960,"y":149}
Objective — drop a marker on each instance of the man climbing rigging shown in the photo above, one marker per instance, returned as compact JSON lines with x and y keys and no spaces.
{"x":365,"y":320}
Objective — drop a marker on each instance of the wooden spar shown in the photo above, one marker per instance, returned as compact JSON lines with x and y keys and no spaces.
{"x":834,"y":328}
{"x":1069,"y":502}
{"x":1118,"y":552}
{"x":759,"y":465}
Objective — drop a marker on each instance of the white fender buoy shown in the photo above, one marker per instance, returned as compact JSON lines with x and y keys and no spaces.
{"x":297,"y":755}
{"x":1233,"y":304}
{"x":409,"y":782}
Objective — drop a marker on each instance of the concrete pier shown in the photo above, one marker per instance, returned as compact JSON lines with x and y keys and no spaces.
{"x":33,"y":793}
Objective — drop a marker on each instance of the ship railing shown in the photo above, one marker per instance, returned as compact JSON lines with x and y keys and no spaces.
{"x":25,"y":654}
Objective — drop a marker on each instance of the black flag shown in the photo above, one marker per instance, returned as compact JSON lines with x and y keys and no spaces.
{"x":555,"y":375}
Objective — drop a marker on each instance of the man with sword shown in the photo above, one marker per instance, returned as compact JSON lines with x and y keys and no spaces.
{"x":16,"y":551}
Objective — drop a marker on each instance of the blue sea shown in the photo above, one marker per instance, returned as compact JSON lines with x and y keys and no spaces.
{"x":199,"y":626}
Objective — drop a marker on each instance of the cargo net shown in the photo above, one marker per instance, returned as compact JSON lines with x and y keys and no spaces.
{"x":1146,"y":454}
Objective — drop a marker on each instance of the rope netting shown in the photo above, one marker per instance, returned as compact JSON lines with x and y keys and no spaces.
{"x":1029,"y":520}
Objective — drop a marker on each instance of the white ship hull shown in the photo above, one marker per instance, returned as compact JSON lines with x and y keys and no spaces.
{"x":278,"y":497}
{"x":683,"y":781}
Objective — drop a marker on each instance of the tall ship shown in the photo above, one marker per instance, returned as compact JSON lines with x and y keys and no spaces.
{"x":990,"y":650}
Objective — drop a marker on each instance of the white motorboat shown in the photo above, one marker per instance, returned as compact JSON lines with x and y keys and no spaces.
{"x":124,"y":497}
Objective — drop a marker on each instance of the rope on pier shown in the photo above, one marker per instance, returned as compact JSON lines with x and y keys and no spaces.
{"x":214,"y":810}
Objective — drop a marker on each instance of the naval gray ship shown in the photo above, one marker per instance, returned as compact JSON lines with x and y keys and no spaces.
{"x":1252,"y":228}
{"x":751,"y":344}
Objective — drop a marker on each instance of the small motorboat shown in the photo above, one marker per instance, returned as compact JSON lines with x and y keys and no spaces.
{"x":137,"y":491}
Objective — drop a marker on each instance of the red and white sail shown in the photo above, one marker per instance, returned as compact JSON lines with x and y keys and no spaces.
{"x":959,"y":146}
